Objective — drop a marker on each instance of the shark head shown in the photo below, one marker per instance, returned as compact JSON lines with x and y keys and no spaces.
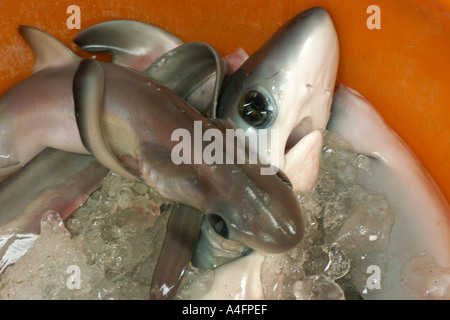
{"x":287,"y":85}
{"x":261,"y":212}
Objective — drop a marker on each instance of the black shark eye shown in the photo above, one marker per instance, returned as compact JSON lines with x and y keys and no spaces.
{"x":219,"y":225}
{"x":284,"y":178}
{"x":256,"y":109}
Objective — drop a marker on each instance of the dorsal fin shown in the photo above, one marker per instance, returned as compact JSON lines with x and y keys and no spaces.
{"x":48,"y":51}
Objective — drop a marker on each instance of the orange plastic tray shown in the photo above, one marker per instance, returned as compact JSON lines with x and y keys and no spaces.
{"x":402,"y":68}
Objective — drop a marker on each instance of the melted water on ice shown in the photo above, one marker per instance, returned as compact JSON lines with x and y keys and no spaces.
{"x":115,"y":243}
{"x":117,"y":235}
{"x":347,"y":231}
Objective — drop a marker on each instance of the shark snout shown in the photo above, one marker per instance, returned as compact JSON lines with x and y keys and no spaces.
{"x":269,"y":223}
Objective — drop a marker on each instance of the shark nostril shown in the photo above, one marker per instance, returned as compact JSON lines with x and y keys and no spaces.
{"x":219,"y":225}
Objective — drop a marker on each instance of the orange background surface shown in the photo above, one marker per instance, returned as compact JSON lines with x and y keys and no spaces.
{"x":403,"y":68}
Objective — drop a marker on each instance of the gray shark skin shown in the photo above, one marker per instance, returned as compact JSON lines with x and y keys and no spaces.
{"x":290,"y":55}
{"x":138,"y":118}
{"x":179,"y":243}
{"x":288,"y":85}
{"x":421,"y":223}
{"x":54,"y":181}
{"x":131,"y":43}
{"x":195,"y":72}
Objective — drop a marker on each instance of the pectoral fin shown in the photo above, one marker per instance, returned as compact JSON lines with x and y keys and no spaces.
{"x":183,"y":229}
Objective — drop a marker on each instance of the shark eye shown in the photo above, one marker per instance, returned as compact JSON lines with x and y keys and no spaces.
{"x":219,"y":225}
{"x":256,"y":109}
{"x":284,"y":178}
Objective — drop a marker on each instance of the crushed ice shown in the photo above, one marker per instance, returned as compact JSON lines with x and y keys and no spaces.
{"x":117,"y":234}
{"x":116,"y":237}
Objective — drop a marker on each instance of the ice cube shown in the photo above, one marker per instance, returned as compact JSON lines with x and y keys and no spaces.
{"x":317,"y":288}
